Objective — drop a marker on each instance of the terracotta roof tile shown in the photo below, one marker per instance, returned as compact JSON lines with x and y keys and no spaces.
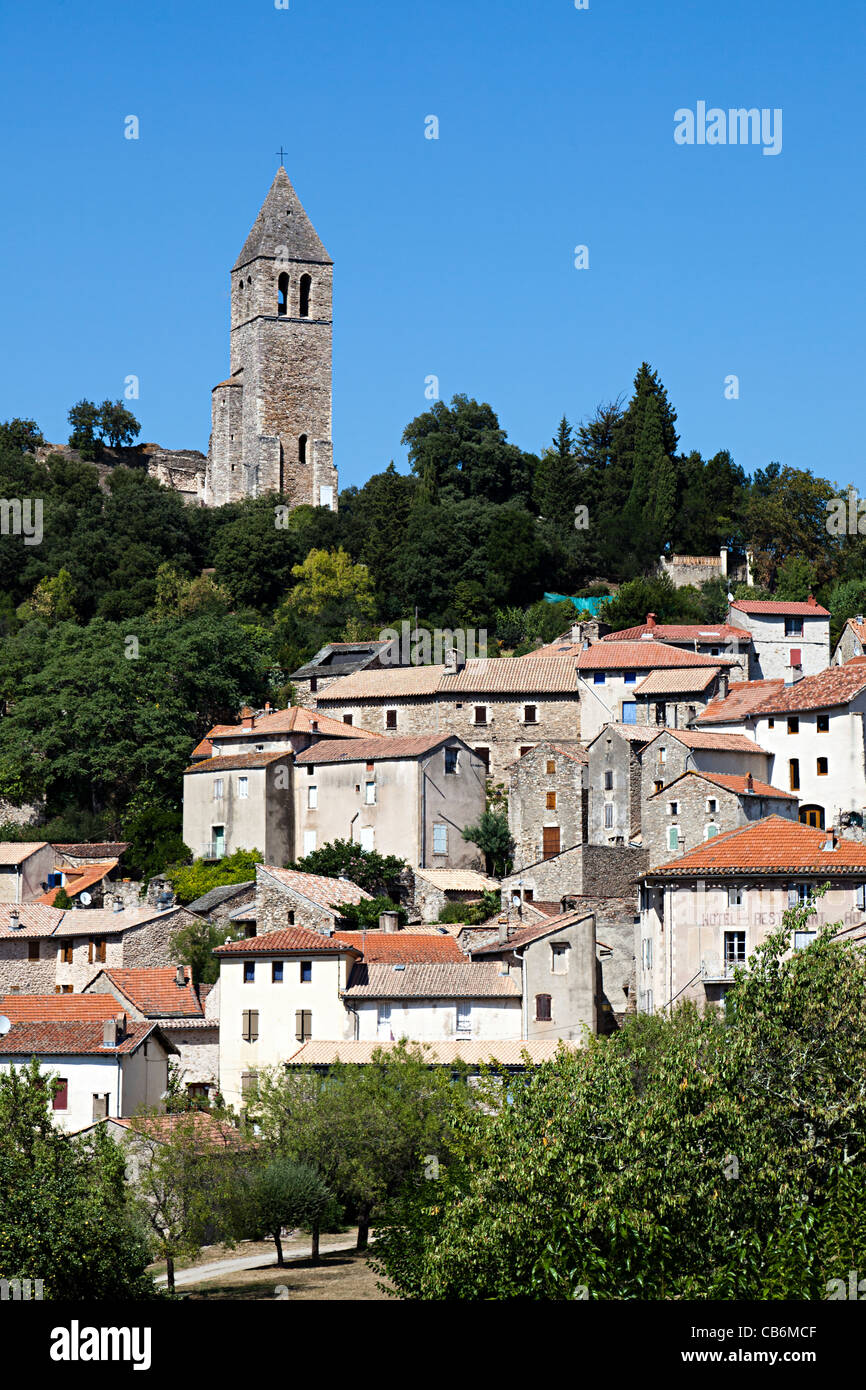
{"x":16,"y":851}
{"x":525,"y":935}
{"x":93,"y":921}
{"x":403,"y":948}
{"x":672,"y":682}
{"x":525,"y":675}
{"x":227,"y":762}
{"x":724,"y":743}
{"x":79,"y":1037}
{"x":635,"y":733}
{"x":508,"y":1052}
{"x":777,"y":608}
{"x":458,"y":880}
{"x":447,"y":980}
{"x":327,"y":892}
{"x":107,"y":849}
{"x":732,"y":782}
{"x":58,"y":1008}
{"x":154,"y":991}
{"x":294,"y":720}
{"x":772,"y":845}
{"x":36,"y":919}
{"x":79,"y":883}
{"x":292,"y":941}
{"x":742,"y":699}
{"x":370,"y":749}
{"x":682,"y":632}
{"x":835,"y":686}
{"x":641,"y":656}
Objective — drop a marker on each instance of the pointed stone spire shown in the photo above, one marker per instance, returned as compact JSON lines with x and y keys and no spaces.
{"x":282,"y":229}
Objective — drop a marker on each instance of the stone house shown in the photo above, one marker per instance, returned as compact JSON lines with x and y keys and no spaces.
{"x":696,"y":806}
{"x":411,"y":796}
{"x":708,"y":639}
{"x":339,"y":659}
{"x":814,"y":733}
{"x":239,"y":801}
{"x":555,"y":961}
{"x":548,"y":797}
{"x":703,"y":914}
{"x":218,"y":904}
{"x":500,"y":707}
{"x":44,"y":949}
{"x":675,"y":699}
{"x":596,"y":871}
{"x":608,"y":674}
{"x":789,"y":640}
{"x":106,"y":1066}
{"x":187,"y":1015}
{"x":430,"y":891}
{"x":23,"y":869}
{"x":675,"y":751}
{"x":287,"y":898}
{"x":272,"y":731}
{"x":615,"y":795}
{"x":852,"y":641}
{"x":433,"y":1001}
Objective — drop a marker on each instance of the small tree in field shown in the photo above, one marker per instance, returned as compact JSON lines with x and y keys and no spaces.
{"x":280,"y":1194}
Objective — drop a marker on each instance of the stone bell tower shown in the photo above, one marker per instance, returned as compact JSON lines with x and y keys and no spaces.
{"x":271,"y":418}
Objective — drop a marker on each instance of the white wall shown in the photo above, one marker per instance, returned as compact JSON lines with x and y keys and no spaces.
{"x":87,"y":1076}
{"x":844,"y":786}
{"x":771,"y":650}
{"x":427,"y":1020}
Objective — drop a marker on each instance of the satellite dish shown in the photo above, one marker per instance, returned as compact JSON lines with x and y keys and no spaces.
{"x":86,"y":899}
{"x":5,"y":1025}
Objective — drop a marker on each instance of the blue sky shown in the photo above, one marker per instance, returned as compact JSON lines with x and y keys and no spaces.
{"x":455,"y":256}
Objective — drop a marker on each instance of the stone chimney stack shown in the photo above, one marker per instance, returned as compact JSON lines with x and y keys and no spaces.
{"x":389,"y":921}
{"x":181,"y":977}
{"x":750,"y":782}
{"x":650,"y":620}
{"x":455,"y":660}
{"x":503,"y":930}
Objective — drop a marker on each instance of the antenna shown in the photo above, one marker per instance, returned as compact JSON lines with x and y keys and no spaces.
{"x":5,"y":1025}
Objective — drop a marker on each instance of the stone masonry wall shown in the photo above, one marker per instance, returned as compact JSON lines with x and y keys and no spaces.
{"x":530,"y":783}
{"x":275,"y":903}
{"x":600,"y":871}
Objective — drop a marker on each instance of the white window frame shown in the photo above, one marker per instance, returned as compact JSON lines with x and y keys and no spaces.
{"x":442,"y":827}
{"x":608,"y":815}
{"x":367,"y":837}
{"x":559,"y":951}
{"x":370,"y":793}
{"x":463,"y":1028}
{"x":218,"y":789}
{"x":309,"y":841}
{"x":243,"y":788}
{"x":312,"y":796}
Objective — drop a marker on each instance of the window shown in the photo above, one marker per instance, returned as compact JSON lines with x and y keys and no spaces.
{"x":657,"y":786}
{"x":348,"y":718}
{"x":794,"y":773}
{"x":326,"y":496}
{"x":550,"y":841}
{"x":608,"y":815}
{"x":249,"y":1082}
{"x":243,"y":788}
{"x":33,"y":950}
{"x":314,"y":685}
{"x":798,"y":893}
{"x":629,"y":677}
{"x":302,"y":448}
{"x":383,"y":1021}
{"x":282,"y":295}
{"x":480,"y":714}
{"x":66,"y":953}
{"x":629,"y":712}
{"x":312,"y":797}
{"x":309,"y":841}
{"x":484,"y":754}
{"x":450,"y":760}
{"x":861,"y":896}
{"x":647,"y":953}
{"x":367,"y":836}
{"x":663,"y":756}
{"x":464,"y":1019}
{"x":796,"y":657}
{"x":58,"y":989}
{"x":250,"y":1025}
{"x":712,"y":805}
{"x":735,"y":949}
{"x":304,"y":297}
{"x":551,"y":767}
{"x":249,"y":972}
{"x":277,"y":972}
{"x":440,"y":838}
{"x":793,"y":724}
{"x":771,"y":723}
{"x":390,"y":719}
{"x":525,"y":748}
{"x":217,"y":789}
{"x":673,"y":808}
{"x":100,"y":1107}
{"x":793,"y":627}
{"x":542,"y":1008}
{"x":551,"y":801}
{"x":218,"y":843}
{"x":822,"y":767}
{"x":369,"y":793}
{"x":96,"y":951}
{"x":61,"y":1095}
{"x":710,"y":831}
{"x":559,"y":958}
{"x":530,"y":714}
{"x":812,"y":815}
{"x":608,"y":781}
{"x":735,"y":897}
{"x":822,"y":724}
{"x":660,"y":713}
{"x":290,"y":917}
{"x":303,"y":1025}
{"x":598,"y":677}
{"x":802,"y":939}
{"x":673,"y":837}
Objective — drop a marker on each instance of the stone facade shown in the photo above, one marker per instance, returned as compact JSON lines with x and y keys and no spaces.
{"x":547,"y":800}
{"x":666,"y":758}
{"x":271,"y":419}
{"x":615,"y":784}
{"x":279,"y":907}
{"x":780,"y":638}
{"x":72,"y":954}
{"x":703,"y":809}
{"x":694,"y":569}
{"x":598,"y":871}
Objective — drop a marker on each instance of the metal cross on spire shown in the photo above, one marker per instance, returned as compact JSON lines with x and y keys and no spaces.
{"x":282,"y":154}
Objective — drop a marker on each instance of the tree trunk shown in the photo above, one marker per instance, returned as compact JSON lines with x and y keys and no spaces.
{"x":169,"y":1271}
{"x":314,"y":1253}
{"x":279,"y":1244}
{"x":363,"y":1228}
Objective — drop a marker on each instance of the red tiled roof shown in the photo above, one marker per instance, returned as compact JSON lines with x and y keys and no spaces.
{"x":294,"y":720}
{"x":524,"y":675}
{"x":327,"y":892}
{"x":36,"y":919}
{"x":205,"y":1127}
{"x":440,"y":980}
{"x":742,"y":699}
{"x":645,"y":656}
{"x":396,"y":948}
{"x":78,"y":882}
{"x":58,"y":1008}
{"x":154,"y":991}
{"x":732,"y":782}
{"x":673,"y":682}
{"x":772,"y":845}
{"x":292,"y":941}
{"x":525,"y":935}
{"x":682,"y":632}
{"x":635,"y":733}
{"x":227,"y":762}
{"x":369,"y":749}
{"x":724,"y":743}
{"x":835,"y":686}
{"x":79,"y":1037}
{"x":775,"y":607}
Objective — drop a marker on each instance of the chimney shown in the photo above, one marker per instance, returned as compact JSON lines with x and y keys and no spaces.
{"x":314,"y":726}
{"x":859,"y":620}
{"x":267,"y":707}
{"x":503,"y":930}
{"x":575,"y":632}
{"x":14,"y":919}
{"x":389,"y":921}
{"x":750,"y":782}
{"x":181,"y":977}
{"x":650,"y":620}
{"x":118,"y":905}
{"x":454,"y":661}
{"x":113,"y":1030}
{"x":811,"y":599}
{"x":723,"y":685}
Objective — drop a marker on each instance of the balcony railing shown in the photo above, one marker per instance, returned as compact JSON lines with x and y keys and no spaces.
{"x":213,"y":849}
{"x":720,"y":972}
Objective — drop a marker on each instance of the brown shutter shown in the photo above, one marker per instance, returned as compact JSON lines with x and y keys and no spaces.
{"x":551,"y":801}
{"x":90,"y":951}
{"x":550,"y":835}
{"x":299,"y":1025}
{"x":254,"y":1025}
{"x":542,"y":1008}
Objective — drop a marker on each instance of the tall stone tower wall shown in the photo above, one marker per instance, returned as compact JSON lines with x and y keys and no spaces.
{"x":271,"y":424}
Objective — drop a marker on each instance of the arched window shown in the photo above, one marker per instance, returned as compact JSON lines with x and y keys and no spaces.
{"x":812,"y":815}
{"x":302,"y":449}
{"x":306,"y":286}
{"x":283,"y":295}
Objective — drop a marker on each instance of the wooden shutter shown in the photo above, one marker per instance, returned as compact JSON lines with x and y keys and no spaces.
{"x":542,"y":1008}
{"x":250,"y":1025}
{"x":551,"y":801}
{"x":61,"y":1095}
{"x":303,"y":1024}
{"x":550,"y":841}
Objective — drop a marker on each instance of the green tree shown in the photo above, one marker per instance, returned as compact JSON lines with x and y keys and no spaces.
{"x":493,"y":838}
{"x":53,"y":601}
{"x":191,"y":881}
{"x":22,"y":436}
{"x":460,"y":451}
{"x":279,"y":1193}
{"x":66,"y":1216}
{"x":655,"y":594}
{"x":376,"y":873}
{"x":195,"y":943}
{"x":84,"y":419}
{"x":118,"y":425}
{"x":795,"y":579}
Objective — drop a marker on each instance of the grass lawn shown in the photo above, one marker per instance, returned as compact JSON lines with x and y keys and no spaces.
{"x":342,"y":1275}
